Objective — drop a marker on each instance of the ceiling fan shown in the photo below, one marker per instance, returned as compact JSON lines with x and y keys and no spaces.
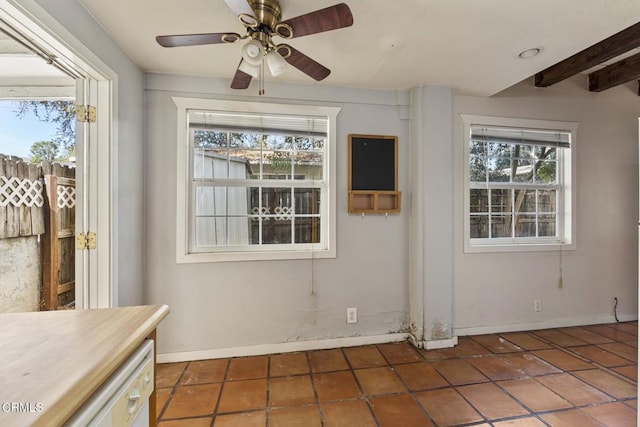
{"x":261,"y":19}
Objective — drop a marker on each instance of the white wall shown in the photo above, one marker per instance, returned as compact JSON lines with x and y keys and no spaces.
{"x":127,"y":151}
{"x":223,"y":305}
{"x":496,"y":291}
{"x":230,"y":305}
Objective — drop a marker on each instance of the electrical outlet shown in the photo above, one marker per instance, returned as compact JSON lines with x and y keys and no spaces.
{"x":352,"y":315}
{"x":537,"y":305}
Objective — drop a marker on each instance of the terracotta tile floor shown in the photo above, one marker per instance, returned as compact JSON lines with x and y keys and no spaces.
{"x":578,"y":376}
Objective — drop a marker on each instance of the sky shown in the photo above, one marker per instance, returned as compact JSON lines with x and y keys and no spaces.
{"x":17,"y":135}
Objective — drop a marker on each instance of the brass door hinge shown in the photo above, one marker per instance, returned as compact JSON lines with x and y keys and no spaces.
{"x":86,"y":241}
{"x":91,"y":240}
{"x":86,"y":113}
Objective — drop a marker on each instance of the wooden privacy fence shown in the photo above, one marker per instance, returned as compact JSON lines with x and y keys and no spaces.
{"x":39,"y":200}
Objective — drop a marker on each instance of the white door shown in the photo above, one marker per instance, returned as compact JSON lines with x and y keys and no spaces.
{"x":94,"y":287}
{"x":93,"y":271}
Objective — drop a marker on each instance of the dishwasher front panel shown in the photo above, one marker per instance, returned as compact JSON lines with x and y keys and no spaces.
{"x":123,"y":399}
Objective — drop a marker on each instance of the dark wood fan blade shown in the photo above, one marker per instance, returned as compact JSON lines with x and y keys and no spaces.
{"x":330,"y":18}
{"x":303,"y":63}
{"x":196,"y":39}
{"x":241,"y":79}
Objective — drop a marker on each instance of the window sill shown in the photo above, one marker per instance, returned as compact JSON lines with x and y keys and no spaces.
{"x":211,"y":257}
{"x":518,"y":247}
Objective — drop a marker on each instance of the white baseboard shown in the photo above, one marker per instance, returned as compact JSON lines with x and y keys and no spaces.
{"x":286,"y":347}
{"x":433,"y":345}
{"x":545,"y":324}
{"x":437,"y":344}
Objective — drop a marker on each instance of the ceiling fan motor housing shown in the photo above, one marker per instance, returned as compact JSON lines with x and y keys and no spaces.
{"x":268,"y":12}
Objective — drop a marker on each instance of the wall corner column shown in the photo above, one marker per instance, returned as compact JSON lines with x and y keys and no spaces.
{"x":431,"y":261}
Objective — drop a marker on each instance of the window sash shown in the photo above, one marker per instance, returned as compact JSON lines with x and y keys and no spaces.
{"x":486,"y":173}
{"x":301,"y":220}
{"x":326,"y":248}
{"x":254,"y":220}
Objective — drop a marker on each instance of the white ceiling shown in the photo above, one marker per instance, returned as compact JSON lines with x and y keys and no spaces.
{"x":471,"y":45}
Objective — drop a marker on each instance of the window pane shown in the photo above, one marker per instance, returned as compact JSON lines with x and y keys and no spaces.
{"x":524,"y":171}
{"x":276,"y":231}
{"x":310,"y":143}
{"x":525,"y":226}
{"x":211,"y":231}
{"x":523,"y":152}
{"x":209,"y":139}
{"x":211,"y":201}
{"x":307,"y":230}
{"x":276,"y":164}
{"x":546,"y":172}
{"x":501,"y":201}
{"x":477,"y":148}
{"x":278,"y":142}
{"x":277,"y":201}
{"x":307,"y":201}
{"x":244,"y":164}
{"x":238,"y":202}
{"x":478,"y":200}
{"x":547,"y":200}
{"x":245,"y":140}
{"x":477,"y":169}
{"x":547,"y":225}
{"x":308,"y":165}
{"x":547,"y":153}
{"x":479,"y":226}
{"x":499,"y":169}
{"x":527,"y":200}
{"x":257,"y":209}
{"x":499,"y":150}
{"x":239,"y":230}
{"x":210,"y":164}
{"x":500,"y":226}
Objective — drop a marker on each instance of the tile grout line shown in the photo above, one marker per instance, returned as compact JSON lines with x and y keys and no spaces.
{"x":594,"y":366}
{"x":174,"y":390}
{"x":409,"y":391}
{"x":315,"y":391}
{"x":365,"y":397}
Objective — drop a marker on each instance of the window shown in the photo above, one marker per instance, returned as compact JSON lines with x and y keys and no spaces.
{"x":518,"y":193}
{"x":256,"y":181}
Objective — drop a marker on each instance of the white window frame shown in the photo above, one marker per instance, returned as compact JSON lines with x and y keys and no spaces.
{"x":326,"y":248}
{"x":567,"y":180}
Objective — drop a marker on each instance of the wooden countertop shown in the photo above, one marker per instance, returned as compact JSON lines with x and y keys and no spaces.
{"x":51,"y":361}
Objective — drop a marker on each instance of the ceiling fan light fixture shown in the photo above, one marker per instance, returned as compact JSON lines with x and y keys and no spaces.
{"x":251,"y":69}
{"x":252,"y":52}
{"x":277,"y":64}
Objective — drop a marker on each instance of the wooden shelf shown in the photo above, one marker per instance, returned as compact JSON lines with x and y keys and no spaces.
{"x":374,"y":202}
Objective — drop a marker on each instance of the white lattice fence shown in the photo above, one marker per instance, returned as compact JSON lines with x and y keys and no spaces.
{"x":21,"y":198}
{"x":20,"y":192}
{"x":66,"y":196}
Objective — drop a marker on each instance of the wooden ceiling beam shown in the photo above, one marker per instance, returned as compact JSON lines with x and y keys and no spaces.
{"x":600,"y":52}
{"x":615,"y":74}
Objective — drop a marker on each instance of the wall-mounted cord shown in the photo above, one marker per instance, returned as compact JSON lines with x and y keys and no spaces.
{"x":560,"y":278}
{"x":615,"y":309}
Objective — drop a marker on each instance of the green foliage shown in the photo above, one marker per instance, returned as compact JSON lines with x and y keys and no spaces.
{"x":62,"y":113}
{"x":44,"y":151}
